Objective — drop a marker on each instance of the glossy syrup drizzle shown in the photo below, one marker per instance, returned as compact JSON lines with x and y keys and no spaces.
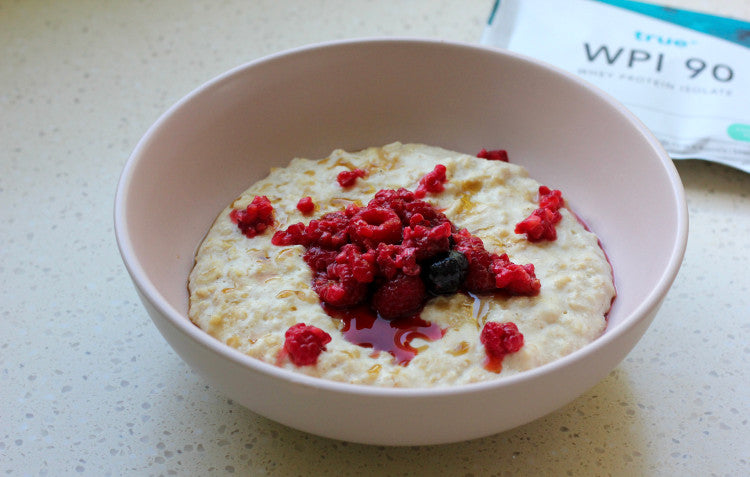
{"x":365,"y":328}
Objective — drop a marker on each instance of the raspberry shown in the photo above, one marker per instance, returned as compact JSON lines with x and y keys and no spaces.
{"x":352,"y":264}
{"x":402,"y":296}
{"x":304,"y":343}
{"x":306,"y":205}
{"x":494,"y":155}
{"x":446,"y":274}
{"x":348,"y":178}
{"x":431,"y":182}
{"x":500,"y":339}
{"x":540,"y":225}
{"x":256,"y":218}
{"x":319,"y":258}
{"x":374,"y":225}
{"x":330,"y":231}
{"x":339,"y":292}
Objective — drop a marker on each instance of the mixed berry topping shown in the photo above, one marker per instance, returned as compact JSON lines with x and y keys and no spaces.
{"x":392,"y":256}
{"x":377,"y":254}
{"x":304,"y":343}
{"x":540,"y":225}
{"x":255,"y":218}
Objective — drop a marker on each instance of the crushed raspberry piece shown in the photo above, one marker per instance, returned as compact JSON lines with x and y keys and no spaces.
{"x":493,"y":155}
{"x":540,"y":225}
{"x":293,"y":235}
{"x":350,"y":263}
{"x":306,"y":205}
{"x":550,"y":199}
{"x":427,"y":213}
{"x":428,"y":241}
{"x":330,"y":231}
{"x":500,"y":339}
{"x":401,"y":296}
{"x":304,"y":343}
{"x":417,"y":219}
{"x":348,"y":178}
{"x":431,"y":182}
{"x":514,"y":278}
{"x":256,"y":218}
{"x":393,"y":259}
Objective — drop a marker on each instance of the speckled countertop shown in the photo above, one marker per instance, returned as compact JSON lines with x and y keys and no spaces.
{"x":89,"y":387}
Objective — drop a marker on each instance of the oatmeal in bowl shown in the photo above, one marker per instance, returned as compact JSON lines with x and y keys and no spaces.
{"x":370,"y":295}
{"x":404,"y":265}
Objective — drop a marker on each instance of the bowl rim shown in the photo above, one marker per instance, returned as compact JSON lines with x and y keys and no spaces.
{"x":182,"y":323}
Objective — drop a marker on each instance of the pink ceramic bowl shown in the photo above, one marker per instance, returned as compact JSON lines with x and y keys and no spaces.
{"x":306,"y":102}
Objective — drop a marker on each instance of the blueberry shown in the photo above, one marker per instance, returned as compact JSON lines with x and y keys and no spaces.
{"x":446,"y":273}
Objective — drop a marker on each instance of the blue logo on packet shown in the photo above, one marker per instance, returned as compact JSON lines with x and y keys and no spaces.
{"x":662,"y":40}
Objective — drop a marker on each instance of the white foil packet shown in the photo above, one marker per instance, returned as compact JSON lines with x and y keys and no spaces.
{"x":686,"y":75}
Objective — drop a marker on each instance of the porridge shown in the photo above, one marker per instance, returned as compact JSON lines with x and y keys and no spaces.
{"x":404,"y":266}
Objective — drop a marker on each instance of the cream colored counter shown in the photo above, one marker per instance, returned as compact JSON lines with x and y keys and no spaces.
{"x":89,"y":387}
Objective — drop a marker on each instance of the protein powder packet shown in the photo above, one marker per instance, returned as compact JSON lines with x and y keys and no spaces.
{"x":685,"y":74}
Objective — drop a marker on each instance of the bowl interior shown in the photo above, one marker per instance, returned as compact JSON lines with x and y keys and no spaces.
{"x":211,"y":146}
